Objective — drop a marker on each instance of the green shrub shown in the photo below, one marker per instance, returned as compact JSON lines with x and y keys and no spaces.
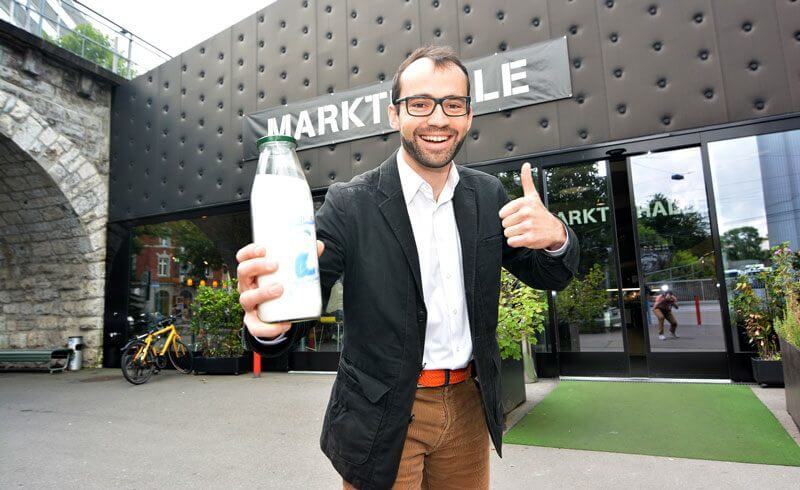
{"x":521,"y":315}
{"x":775,"y":313}
{"x":583,"y":301}
{"x":217,"y":321}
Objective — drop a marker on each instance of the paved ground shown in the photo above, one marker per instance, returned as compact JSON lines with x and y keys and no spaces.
{"x":91,"y":429}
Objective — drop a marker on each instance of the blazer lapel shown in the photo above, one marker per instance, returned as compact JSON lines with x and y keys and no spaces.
{"x":396,"y":214}
{"x":466,"y":213}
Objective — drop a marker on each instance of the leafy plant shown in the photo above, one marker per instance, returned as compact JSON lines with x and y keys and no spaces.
{"x":789,"y":327}
{"x":783,"y":284}
{"x":753,"y":316}
{"x":763,"y":317}
{"x":584,"y":300}
{"x":217,"y":321}
{"x":521,"y":315}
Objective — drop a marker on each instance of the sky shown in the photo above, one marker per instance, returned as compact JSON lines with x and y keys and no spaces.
{"x":174,"y":25}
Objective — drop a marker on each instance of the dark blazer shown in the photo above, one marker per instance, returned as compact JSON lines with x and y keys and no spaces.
{"x":368,"y":238}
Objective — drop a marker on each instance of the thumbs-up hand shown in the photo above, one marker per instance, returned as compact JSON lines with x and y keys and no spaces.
{"x":527,"y":223}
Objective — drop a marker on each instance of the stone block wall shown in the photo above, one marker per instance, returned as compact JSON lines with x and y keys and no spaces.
{"x":54,"y":154}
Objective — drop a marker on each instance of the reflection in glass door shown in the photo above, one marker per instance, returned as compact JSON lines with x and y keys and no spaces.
{"x":680,"y":293}
{"x":587,"y":311}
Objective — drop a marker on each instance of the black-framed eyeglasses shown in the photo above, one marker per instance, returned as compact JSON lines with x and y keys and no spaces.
{"x":422,"y":105}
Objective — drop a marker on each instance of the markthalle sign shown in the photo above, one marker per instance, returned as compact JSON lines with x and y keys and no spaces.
{"x":525,"y":76}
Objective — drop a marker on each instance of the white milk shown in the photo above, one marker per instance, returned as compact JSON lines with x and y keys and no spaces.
{"x":283,"y":223}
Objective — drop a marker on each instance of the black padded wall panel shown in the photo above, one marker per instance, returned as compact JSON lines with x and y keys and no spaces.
{"x":582,"y":118}
{"x":244,"y":92}
{"x":661,"y":66}
{"x":501,"y":134}
{"x":491,"y":27}
{"x":754,"y":71}
{"x":638,"y":67}
{"x":287,"y":49}
{"x":332,"y":66}
{"x":789,"y":21}
{"x":142,"y":142}
{"x":206,"y":107}
{"x":380,"y":37}
{"x":333,"y":164}
{"x":439,"y":23}
{"x":165,"y":163}
{"x":365,"y":152}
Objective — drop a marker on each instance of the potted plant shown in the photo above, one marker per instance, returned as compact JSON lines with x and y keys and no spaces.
{"x":754,"y":317}
{"x":217,"y":324}
{"x":520,"y":317}
{"x":760,"y":310}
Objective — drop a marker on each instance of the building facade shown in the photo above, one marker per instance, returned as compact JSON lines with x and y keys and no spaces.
{"x":675,"y":158}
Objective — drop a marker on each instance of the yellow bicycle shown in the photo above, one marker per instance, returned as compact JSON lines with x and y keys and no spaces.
{"x":145,"y":354}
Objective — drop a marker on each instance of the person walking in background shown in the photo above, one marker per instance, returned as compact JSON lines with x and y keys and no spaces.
{"x":420,"y":242}
{"x":662,"y":308}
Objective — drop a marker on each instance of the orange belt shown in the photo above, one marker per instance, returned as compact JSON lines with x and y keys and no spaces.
{"x":432,"y":378}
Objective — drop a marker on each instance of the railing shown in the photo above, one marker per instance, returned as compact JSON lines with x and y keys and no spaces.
{"x":81,"y":30}
{"x":688,"y":289}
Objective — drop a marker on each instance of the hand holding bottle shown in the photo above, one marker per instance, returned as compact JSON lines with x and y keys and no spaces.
{"x":254,"y":261}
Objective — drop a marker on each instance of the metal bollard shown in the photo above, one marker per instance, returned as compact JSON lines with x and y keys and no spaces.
{"x":76,"y":344}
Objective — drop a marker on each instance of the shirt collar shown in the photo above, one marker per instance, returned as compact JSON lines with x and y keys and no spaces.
{"x":412,"y":183}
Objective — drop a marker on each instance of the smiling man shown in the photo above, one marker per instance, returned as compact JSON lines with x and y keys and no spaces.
{"x":420,"y":242}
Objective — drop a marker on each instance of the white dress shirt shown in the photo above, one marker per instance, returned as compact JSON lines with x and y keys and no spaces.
{"x":448,"y":344}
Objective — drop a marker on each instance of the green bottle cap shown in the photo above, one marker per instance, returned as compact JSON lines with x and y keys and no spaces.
{"x":276,"y":137}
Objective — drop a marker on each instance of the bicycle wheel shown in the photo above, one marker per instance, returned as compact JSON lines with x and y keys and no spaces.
{"x":137,"y":371}
{"x":181,"y":357}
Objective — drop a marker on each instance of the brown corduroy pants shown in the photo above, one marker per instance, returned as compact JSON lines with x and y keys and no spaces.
{"x":447,"y":445}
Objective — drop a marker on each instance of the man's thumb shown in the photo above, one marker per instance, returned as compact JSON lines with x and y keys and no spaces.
{"x":528,"y":189}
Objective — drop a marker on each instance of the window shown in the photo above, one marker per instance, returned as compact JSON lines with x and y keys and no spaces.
{"x":165,"y":242}
{"x":757,"y":198}
{"x":162,"y":302}
{"x":163,"y":266}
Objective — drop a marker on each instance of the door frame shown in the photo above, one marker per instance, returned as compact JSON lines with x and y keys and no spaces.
{"x":619,"y":364}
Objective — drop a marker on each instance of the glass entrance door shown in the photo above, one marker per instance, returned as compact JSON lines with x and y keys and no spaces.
{"x":677,"y":264}
{"x":588,"y":314}
{"x":646,"y":301}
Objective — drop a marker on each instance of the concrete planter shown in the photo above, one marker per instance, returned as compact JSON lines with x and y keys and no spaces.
{"x":790,"y":355}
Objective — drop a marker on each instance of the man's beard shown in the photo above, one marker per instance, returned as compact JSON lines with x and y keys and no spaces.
{"x":430,"y":161}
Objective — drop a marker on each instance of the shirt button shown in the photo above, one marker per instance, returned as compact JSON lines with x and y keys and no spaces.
{"x":454,"y":311}
{"x":449,"y":275}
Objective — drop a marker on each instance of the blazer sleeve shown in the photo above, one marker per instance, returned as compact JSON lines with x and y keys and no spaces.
{"x":331,"y":229}
{"x":536,"y":268}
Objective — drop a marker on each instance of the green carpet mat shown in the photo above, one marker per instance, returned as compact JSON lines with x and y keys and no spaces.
{"x":700,"y":421}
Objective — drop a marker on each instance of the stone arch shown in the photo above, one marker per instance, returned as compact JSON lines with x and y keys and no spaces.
{"x":53,"y":216}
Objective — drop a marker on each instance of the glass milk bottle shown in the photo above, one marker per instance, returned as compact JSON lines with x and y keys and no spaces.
{"x":283,"y":223}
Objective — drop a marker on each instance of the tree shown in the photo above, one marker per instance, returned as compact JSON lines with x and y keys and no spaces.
{"x":584,"y":188}
{"x":743,"y":243}
{"x":196,"y":249}
{"x":584,"y":301}
{"x":91,"y":44}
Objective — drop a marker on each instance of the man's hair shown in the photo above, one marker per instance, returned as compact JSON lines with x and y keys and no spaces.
{"x":441,"y":56}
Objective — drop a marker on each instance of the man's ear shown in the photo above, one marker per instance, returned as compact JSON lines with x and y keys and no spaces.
{"x":394,"y":118}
